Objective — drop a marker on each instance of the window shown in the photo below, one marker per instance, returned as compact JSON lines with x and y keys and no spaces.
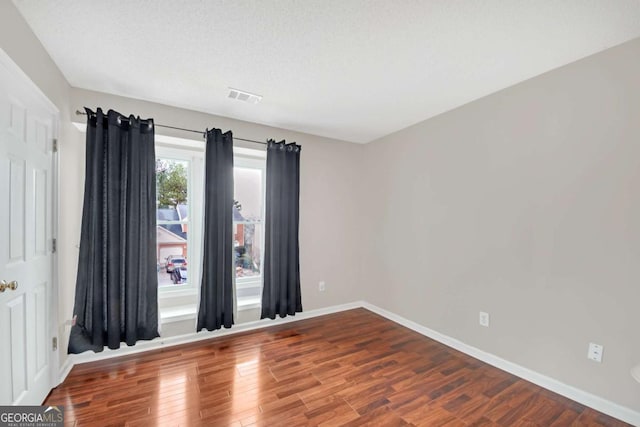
{"x":172,"y":207}
{"x":248,"y":228}
{"x":179,"y":196}
{"x":177,"y":204}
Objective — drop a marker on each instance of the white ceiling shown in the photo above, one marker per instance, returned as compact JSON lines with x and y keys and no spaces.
{"x":349,"y":69}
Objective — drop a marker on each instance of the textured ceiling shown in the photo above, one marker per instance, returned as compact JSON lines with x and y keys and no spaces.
{"x":348,"y":69}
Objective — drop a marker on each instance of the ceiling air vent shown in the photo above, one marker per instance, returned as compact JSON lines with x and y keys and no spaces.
{"x":245,"y":96}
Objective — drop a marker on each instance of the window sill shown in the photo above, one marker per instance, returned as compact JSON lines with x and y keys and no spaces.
{"x":168,"y":292}
{"x":178,"y":313}
{"x":249,"y":303}
{"x":190,"y":312}
{"x":248,"y":284}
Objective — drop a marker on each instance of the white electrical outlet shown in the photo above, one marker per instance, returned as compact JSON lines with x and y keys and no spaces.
{"x":321,"y":286}
{"x":595,"y":352}
{"x":484,"y":319}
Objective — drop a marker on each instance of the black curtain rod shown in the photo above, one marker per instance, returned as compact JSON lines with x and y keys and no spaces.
{"x":80,"y":113}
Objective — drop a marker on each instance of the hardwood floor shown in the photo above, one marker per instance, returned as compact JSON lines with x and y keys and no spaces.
{"x":350,"y":368}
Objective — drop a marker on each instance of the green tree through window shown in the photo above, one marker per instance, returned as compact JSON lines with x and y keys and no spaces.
{"x":171,"y":183}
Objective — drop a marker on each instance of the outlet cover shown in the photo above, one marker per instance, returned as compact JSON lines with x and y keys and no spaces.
{"x":484,"y":319}
{"x":322,"y":286}
{"x":595,"y":352}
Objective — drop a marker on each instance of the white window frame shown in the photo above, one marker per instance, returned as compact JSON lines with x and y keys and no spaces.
{"x":195,"y":158}
{"x":185,"y":297}
{"x":252,"y":159}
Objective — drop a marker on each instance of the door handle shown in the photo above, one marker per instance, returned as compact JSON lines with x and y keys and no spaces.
{"x":13,"y":285}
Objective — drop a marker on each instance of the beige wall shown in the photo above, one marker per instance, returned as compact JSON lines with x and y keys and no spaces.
{"x":330,"y":184}
{"x":524,"y":204}
{"x":19,"y":42}
{"x":328,"y":216}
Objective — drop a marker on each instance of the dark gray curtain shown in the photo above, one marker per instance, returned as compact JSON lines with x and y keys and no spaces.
{"x":281,"y":292}
{"x":117,"y":285}
{"x":216,"y":294}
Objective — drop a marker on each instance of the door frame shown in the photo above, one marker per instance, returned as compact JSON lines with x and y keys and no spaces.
{"x":19,"y":74}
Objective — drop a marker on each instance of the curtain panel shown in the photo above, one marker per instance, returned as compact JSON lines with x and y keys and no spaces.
{"x":216,"y":308}
{"x":116,"y":296}
{"x":281,"y":290}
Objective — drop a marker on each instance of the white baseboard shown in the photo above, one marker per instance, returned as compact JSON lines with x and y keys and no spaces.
{"x":65,"y":369}
{"x":598,"y":403}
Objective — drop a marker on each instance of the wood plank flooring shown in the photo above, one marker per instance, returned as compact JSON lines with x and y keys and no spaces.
{"x":350,"y":368}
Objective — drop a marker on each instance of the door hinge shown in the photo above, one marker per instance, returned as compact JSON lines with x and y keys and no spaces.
{"x":54,"y":343}
{"x":54,"y":245}
{"x":55,"y":145}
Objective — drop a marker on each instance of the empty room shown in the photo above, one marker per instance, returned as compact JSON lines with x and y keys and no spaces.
{"x":320,"y":212}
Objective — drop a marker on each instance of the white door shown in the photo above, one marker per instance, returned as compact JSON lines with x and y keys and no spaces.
{"x":27,"y":122}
